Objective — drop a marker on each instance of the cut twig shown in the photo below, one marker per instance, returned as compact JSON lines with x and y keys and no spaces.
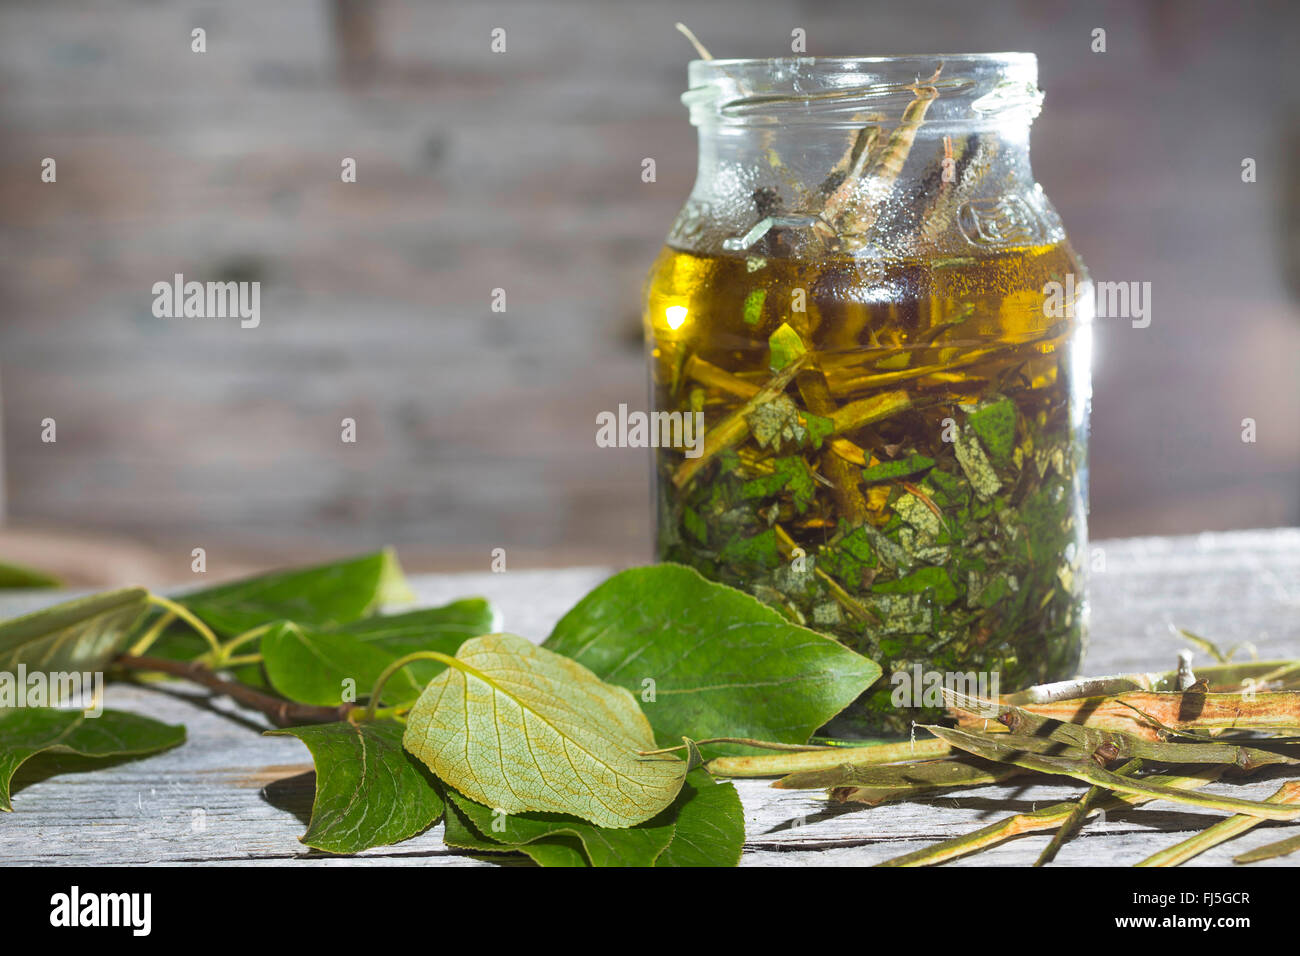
{"x":1149,"y":715}
{"x":695,"y":42}
{"x":1269,"y":850}
{"x":1023,"y":722}
{"x":1047,"y":818}
{"x":874,"y":785}
{"x":854,"y":171}
{"x":776,"y":765}
{"x":1222,"y":831}
{"x":1075,"y":819}
{"x":868,"y":411}
{"x":745,"y":742}
{"x":706,"y":373}
{"x":846,"y":375}
{"x":283,"y":713}
{"x":1009,"y":749}
{"x":848,"y":215}
{"x":1222,"y":678}
{"x":735,"y":427}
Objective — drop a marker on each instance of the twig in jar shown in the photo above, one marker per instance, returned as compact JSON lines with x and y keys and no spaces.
{"x":735,"y":427}
{"x":847,"y":225}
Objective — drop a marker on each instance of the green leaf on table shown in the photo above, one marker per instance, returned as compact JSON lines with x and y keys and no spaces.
{"x":630,"y":846}
{"x":317,"y":667}
{"x":323,"y":596}
{"x":705,"y":826}
{"x":179,"y":642}
{"x":521,"y":729}
{"x":722,"y":663}
{"x":443,"y":629}
{"x":28,"y":731}
{"x":20,"y":576}
{"x":384,"y":638}
{"x":369,"y":791}
{"x":459,"y":833}
{"x":79,"y":635}
{"x":560,"y":850}
{"x":311,"y":664}
{"x":557,"y":852}
{"x":710,"y":828}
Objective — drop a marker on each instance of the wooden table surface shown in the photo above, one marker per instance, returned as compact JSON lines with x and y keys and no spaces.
{"x":230,"y":796}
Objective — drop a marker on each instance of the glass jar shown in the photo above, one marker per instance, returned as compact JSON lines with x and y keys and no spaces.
{"x":873,"y":310}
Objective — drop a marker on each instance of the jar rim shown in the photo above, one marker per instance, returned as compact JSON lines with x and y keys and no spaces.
{"x":974,"y":58}
{"x":971,"y":87}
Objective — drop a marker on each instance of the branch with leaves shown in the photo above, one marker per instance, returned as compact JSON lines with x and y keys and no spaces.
{"x":564,"y":752}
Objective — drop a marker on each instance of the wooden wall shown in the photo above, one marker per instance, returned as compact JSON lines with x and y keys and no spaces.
{"x":522,"y":171}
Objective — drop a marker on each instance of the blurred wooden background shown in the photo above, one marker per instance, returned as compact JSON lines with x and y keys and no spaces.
{"x":522,"y":171}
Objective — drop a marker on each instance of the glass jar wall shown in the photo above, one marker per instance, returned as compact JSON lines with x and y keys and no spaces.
{"x":876,"y":313}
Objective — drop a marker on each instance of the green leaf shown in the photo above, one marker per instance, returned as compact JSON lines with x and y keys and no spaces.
{"x":20,"y":576}
{"x":818,"y":428}
{"x":935,"y":580}
{"x":722,"y":663}
{"x":753,"y":309}
{"x":369,"y":791}
{"x":776,"y":421}
{"x":975,"y":464}
{"x":324,"y":596}
{"x":179,"y":642}
{"x":710,"y":827}
{"x":785,"y":345}
{"x":560,"y":850}
{"x":705,"y":826}
{"x":789,"y":474}
{"x":27,"y":731}
{"x":443,"y":629}
{"x":757,"y":550}
{"x":519,"y":728}
{"x":693,"y":523}
{"x":995,"y":424}
{"x":79,"y":635}
{"x":631,"y":846}
{"x":850,"y":555}
{"x":312,"y":667}
{"x":902,"y":468}
{"x":458,"y":832}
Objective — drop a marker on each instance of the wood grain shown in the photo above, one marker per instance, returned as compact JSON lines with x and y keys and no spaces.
{"x":522,"y":171}
{"x":253,"y":793}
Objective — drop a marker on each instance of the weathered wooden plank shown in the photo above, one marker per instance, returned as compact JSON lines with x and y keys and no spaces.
{"x":521,"y":171}
{"x":252,"y":794}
